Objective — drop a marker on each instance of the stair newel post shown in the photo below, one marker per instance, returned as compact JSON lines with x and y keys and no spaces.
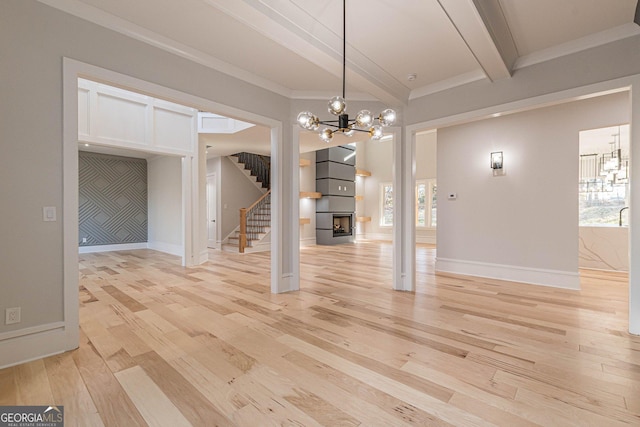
{"x":242,"y":241}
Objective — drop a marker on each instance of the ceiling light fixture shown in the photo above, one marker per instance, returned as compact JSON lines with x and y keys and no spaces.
{"x":364,"y":121}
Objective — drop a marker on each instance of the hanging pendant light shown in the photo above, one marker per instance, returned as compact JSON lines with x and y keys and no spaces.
{"x":364,"y":121}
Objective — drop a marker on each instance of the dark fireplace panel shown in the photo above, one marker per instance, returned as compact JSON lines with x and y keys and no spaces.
{"x":335,"y":211}
{"x":335,"y":228}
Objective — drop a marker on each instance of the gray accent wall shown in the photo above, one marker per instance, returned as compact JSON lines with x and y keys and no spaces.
{"x":112,"y":199}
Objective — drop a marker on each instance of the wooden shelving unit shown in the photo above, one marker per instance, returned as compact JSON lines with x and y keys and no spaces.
{"x":310,"y":195}
{"x":362,"y":172}
{"x":363,"y":219}
{"x":358,"y":198}
{"x":305,"y":162}
{"x":304,"y":221}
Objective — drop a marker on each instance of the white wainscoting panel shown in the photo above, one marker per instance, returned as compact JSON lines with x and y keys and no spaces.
{"x":534,"y":276}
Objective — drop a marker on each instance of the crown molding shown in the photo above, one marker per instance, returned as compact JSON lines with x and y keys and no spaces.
{"x":325,"y":95}
{"x":449,"y":83}
{"x":593,"y":40}
{"x":114,"y":23}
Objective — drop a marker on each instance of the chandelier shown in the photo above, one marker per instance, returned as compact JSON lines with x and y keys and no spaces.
{"x":364,"y":121}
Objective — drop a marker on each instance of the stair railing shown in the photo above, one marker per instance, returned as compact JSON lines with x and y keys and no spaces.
{"x":260,"y":167}
{"x":251,"y":214}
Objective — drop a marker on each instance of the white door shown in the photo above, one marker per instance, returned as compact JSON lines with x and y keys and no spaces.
{"x":211,"y":211}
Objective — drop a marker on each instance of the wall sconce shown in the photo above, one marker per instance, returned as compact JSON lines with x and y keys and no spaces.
{"x":496,"y":160}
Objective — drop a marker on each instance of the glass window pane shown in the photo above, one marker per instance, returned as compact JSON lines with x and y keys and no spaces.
{"x":434,"y":200}
{"x":421,"y":197}
{"x":387,"y":204}
{"x":421,"y":216}
{"x":603,"y":176}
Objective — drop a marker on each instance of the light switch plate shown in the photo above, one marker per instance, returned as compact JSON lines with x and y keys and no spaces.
{"x":49,"y":213}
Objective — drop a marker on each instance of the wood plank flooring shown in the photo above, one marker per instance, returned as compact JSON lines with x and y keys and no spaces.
{"x":163,"y":345}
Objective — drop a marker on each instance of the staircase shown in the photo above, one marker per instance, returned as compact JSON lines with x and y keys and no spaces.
{"x":254,"y":232}
{"x":257,"y":167}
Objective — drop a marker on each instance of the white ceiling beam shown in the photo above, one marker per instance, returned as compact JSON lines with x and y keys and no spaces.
{"x":300,"y":32}
{"x":484,"y":29}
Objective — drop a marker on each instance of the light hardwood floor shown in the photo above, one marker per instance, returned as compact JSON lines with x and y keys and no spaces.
{"x":162,"y":345}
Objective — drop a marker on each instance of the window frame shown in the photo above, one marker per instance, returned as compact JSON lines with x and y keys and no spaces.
{"x":383,"y":185}
{"x":430,"y":184}
{"x":428,"y":205}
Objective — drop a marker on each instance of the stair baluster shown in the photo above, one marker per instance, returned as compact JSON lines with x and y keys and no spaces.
{"x":260,"y":166}
{"x":254,"y":220}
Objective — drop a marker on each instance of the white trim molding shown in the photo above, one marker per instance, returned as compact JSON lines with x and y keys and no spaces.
{"x":25,"y":345}
{"x":167,"y":248}
{"x":112,"y":248}
{"x":512,"y":273}
{"x":307,"y":241}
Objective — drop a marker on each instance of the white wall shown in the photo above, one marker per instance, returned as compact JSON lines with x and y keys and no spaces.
{"x":164,"y":180}
{"x":426,"y":168}
{"x":377,"y":158}
{"x":236,"y":191}
{"x":34,"y":39}
{"x":522,"y":225}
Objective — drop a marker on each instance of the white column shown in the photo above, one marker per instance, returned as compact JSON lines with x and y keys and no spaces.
{"x":285,"y":208}
{"x":202,"y":254}
{"x":187,"y":211}
{"x":634,"y":213}
{"x":404,"y":238}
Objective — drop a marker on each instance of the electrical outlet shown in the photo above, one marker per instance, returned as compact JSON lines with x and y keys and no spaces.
{"x":12,"y":315}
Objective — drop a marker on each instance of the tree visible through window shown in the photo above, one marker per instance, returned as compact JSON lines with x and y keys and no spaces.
{"x":426,"y":198}
{"x":603,"y":175}
{"x":387,"y":205}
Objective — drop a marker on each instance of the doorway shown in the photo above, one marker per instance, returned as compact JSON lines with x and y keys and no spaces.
{"x":603,"y":194}
{"x":212,"y":226}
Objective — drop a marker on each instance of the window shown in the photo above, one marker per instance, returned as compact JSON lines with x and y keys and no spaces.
{"x":426,"y":203}
{"x":603,"y":175}
{"x":386,"y":217}
{"x":426,"y":199}
{"x":434,"y":204}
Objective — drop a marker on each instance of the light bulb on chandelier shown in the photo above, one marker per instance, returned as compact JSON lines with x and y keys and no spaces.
{"x":364,"y":121}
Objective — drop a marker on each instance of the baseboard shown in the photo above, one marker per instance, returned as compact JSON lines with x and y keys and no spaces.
{"x":25,"y":345}
{"x":375,"y":236}
{"x":389,"y":237}
{"x":167,"y":248}
{"x":259,"y":247}
{"x":204,"y":257}
{"x":426,"y":239}
{"x":111,"y":248}
{"x":308,"y":241}
{"x":534,"y":276}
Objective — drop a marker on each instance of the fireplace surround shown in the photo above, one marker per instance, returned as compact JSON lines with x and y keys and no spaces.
{"x":335,"y":180}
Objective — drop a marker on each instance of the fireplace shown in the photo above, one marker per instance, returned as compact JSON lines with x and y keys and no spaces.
{"x":342,"y":225}
{"x":335,"y":210}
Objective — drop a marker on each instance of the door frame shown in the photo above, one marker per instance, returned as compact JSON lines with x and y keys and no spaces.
{"x":216,"y":244}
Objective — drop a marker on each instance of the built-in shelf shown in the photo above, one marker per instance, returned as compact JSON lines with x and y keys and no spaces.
{"x":358,"y":198}
{"x":310,"y":195}
{"x":362,"y":172}
{"x":363,"y":219}
{"x":304,"y":221}
{"x":305,"y":162}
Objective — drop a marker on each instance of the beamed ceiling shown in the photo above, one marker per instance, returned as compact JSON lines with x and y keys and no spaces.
{"x":294,"y":47}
